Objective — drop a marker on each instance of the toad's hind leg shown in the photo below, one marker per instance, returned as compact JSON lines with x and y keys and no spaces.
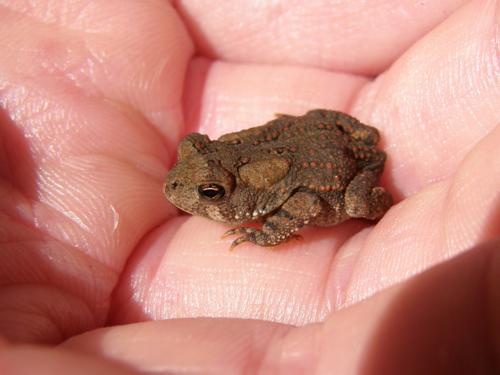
{"x":364,"y":199}
{"x":279,"y":227}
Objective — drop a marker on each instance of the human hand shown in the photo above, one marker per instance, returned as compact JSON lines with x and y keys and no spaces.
{"x":93,"y":109}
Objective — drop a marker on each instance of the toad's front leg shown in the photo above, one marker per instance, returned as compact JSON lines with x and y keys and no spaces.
{"x":296,"y":212}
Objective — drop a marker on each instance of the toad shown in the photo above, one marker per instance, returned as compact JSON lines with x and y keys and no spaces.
{"x":320,"y":169}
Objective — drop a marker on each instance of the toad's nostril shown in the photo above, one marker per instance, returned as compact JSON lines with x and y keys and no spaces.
{"x":174,"y":184}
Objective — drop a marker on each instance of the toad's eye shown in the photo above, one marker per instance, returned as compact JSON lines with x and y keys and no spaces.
{"x":211,"y":192}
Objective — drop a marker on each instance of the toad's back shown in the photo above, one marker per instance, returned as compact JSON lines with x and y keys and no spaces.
{"x":325,"y":149}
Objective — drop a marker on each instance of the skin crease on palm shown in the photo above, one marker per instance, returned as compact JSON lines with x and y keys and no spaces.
{"x":94,"y":97}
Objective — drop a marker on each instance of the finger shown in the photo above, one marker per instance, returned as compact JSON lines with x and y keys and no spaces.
{"x":348,"y":36}
{"x":185,"y":270}
{"x":446,"y":320}
{"x":22,"y":360}
{"x":82,"y":157}
{"x":223,"y":97}
{"x":433,"y":225}
{"x":439,"y":100}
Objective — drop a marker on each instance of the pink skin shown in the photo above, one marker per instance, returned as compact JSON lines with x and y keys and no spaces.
{"x":94,"y":97}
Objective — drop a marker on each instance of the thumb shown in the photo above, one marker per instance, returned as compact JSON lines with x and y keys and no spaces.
{"x":446,"y":320}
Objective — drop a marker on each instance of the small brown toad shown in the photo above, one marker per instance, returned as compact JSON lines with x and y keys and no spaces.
{"x":321,"y":169}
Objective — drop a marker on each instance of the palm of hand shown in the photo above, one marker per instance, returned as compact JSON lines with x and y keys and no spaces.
{"x":90,"y":124}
